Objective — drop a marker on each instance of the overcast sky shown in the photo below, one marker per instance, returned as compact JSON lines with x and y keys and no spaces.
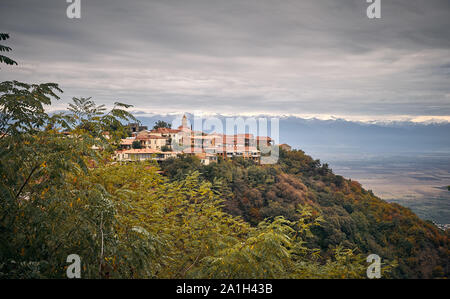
{"x":308,"y":58}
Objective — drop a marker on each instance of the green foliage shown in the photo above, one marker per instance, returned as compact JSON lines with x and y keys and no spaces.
{"x":22,"y":106}
{"x":136,"y":144}
{"x":162,"y":124}
{"x":178,"y":168}
{"x":166,"y":148}
{"x":46,"y":212}
{"x":194,"y":238}
{"x":355,"y":218}
{"x":88,"y":118}
{"x":231,"y":219}
{"x":4,"y":59}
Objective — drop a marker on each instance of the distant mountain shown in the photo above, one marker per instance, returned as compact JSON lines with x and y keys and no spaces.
{"x":323,"y":136}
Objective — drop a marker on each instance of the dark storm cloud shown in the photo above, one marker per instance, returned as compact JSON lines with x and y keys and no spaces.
{"x":300,"y":57}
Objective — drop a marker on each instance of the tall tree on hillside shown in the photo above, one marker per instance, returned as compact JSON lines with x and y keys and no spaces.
{"x":162,"y":124}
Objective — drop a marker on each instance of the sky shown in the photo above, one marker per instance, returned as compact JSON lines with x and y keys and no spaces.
{"x":304,"y":58}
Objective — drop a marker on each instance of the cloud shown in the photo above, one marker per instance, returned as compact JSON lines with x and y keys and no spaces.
{"x":247,"y":56}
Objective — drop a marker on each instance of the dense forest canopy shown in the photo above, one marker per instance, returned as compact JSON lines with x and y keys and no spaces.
{"x":62,"y":194}
{"x":352,"y":217}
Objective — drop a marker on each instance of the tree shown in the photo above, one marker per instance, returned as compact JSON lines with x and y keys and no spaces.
{"x":162,"y":124}
{"x":87,"y":117}
{"x":47,"y":208}
{"x":136,"y":144}
{"x":195,"y":238}
{"x":356,"y":218}
{"x":165,"y":148}
{"x":126,"y":220}
{"x":22,"y":106}
{"x":4,"y":59}
{"x":58,"y":196}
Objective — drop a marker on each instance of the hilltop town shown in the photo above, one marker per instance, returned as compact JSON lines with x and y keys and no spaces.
{"x":163,"y":143}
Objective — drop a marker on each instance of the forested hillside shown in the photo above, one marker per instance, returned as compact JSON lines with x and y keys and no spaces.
{"x":351,"y":216}
{"x":61,"y":194}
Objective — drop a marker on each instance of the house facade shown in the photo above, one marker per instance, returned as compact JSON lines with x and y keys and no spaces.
{"x":163,"y":143}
